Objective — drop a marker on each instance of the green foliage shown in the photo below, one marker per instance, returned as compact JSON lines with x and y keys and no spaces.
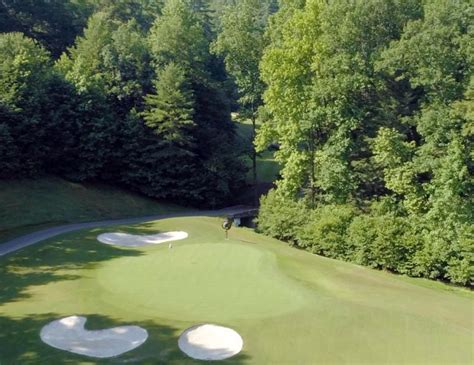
{"x":119,"y":108}
{"x":190,"y":109}
{"x":170,"y":111}
{"x":240,"y":41}
{"x":25,"y":70}
{"x":435,"y":176}
{"x":47,"y":125}
{"x":383,"y":241}
{"x":54,"y":23}
{"x":460,"y":264}
{"x":9,"y":163}
{"x":372,"y":101}
{"x":322,"y":93}
{"x":111,"y":59}
{"x":178,"y":36}
{"x":325,"y":231}
{"x":144,"y":12}
{"x":281,"y":217}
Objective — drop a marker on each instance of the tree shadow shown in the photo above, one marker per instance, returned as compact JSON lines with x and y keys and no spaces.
{"x":21,"y":344}
{"x":141,"y":229}
{"x":62,"y":258}
{"x":57,"y":259}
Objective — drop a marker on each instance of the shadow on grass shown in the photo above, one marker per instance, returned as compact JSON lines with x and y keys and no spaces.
{"x":57,"y":260}
{"x":141,"y":229}
{"x":63,"y":258}
{"x":21,"y":344}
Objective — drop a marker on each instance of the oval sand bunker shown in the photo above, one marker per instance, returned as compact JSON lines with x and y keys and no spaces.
{"x":132,"y":240}
{"x":69,"y":334}
{"x":210,"y":342}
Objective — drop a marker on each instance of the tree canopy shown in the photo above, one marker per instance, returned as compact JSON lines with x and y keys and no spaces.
{"x":368,"y":102}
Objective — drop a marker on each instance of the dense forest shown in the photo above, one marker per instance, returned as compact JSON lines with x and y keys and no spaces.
{"x":120,"y":91}
{"x":371,"y":104}
{"x":368,"y":103}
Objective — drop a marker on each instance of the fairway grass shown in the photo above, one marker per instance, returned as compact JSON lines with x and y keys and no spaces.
{"x":289,"y":306}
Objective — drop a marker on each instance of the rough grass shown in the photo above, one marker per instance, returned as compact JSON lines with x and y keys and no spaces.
{"x":30,"y":205}
{"x":289,"y":306}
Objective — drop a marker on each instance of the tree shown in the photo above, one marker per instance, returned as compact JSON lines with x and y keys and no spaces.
{"x":182,"y":36}
{"x":429,"y":166}
{"x":111,"y":59}
{"x":371,"y":104}
{"x":286,"y":69}
{"x":144,"y":12}
{"x":241,"y":42}
{"x":178,"y":36}
{"x":25,"y":69}
{"x":10,"y":163}
{"x":54,"y":23}
{"x":169,"y":112}
{"x":325,"y":99}
{"x":110,"y":70}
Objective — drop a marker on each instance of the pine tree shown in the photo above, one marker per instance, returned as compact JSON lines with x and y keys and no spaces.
{"x":169,"y":112}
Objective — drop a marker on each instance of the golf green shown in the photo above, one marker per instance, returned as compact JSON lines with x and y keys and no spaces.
{"x":212,"y":282}
{"x":289,"y":306}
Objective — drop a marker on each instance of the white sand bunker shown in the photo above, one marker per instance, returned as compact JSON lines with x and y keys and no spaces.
{"x":210,"y":342}
{"x":70,"y":335}
{"x":131,"y":240}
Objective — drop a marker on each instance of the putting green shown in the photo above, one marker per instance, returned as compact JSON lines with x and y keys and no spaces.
{"x":209,"y":282}
{"x":289,"y":306}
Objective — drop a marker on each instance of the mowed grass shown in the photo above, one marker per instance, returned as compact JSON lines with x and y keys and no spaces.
{"x":289,"y":306}
{"x":29,"y":205}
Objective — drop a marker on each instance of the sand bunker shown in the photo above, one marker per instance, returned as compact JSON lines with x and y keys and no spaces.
{"x":210,"y":342}
{"x":131,"y":240}
{"x":70,"y":335}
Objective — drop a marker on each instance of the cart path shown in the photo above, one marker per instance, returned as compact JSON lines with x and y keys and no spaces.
{"x":38,"y":236}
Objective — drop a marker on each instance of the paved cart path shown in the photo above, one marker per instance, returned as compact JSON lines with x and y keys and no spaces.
{"x":38,"y":236}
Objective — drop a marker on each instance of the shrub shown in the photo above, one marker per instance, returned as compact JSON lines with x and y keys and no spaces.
{"x":383,"y":242}
{"x":325,"y":231}
{"x":460,"y":265}
{"x":281,"y":217}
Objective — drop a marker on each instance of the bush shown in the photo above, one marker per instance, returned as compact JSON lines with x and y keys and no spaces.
{"x":447,"y":254}
{"x":385,"y":238}
{"x":281,"y":217}
{"x":460,"y":265}
{"x":383,"y":242}
{"x":325,"y":231}
{"x":460,"y":271}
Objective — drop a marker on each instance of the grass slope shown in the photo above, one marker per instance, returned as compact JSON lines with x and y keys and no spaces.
{"x":30,"y":205}
{"x":267,"y":168}
{"x":289,"y":306}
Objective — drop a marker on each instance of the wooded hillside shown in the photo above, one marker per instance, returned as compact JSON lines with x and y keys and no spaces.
{"x":371,"y":104}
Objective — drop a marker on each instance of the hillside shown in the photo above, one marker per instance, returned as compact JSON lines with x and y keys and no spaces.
{"x":29,"y":205}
